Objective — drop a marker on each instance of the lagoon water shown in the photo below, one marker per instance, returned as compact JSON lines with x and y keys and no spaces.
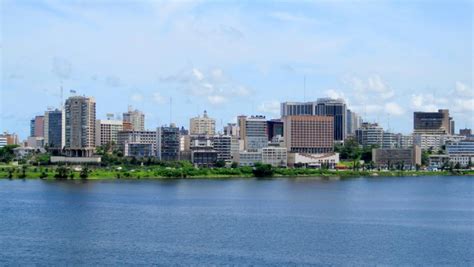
{"x":361,"y":221}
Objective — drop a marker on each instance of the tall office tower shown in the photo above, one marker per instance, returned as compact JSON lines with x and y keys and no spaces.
{"x":107,"y":131}
{"x":80,"y":126}
{"x":452,"y":129}
{"x":37,"y":126}
{"x":253,"y":130}
{"x":465,"y":132}
{"x":53,"y":130}
{"x":335,"y":108}
{"x":136,"y":118}
{"x":432,"y":122}
{"x":274,"y":128}
{"x":353,"y":122}
{"x":232,"y":129}
{"x":167,"y":142}
{"x":370,"y":134}
{"x":202,"y":125}
{"x":309,"y":134}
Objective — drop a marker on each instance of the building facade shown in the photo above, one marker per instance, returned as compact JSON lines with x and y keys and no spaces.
{"x":202,"y":125}
{"x":136,"y":137}
{"x":107,"y":131}
{"x":309,"y":134}
{"x":461,"y":152}
{"x":80,"y":113}
{"x":432,"y":122}
{"x":397,"y":158}
{"x":37,"y":126}
{"x":275,"y":156}
{"x":370,"y":134}
{"x":53,"y":129}
{"x":168,"y":143}
{"x":135,"y":118}
{"x":253,"y":130}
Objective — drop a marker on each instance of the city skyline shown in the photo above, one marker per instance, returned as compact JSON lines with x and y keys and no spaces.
{"x":237,"y":58}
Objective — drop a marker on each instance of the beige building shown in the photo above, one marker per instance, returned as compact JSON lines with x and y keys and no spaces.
{"x":80,"y":126}
{"x":202,"y":125}
{"x":275,"y":156}
{"x":397,"y":158}
{"x":106,"y":131}
{"x":309,"y":134}
{"x":134,"y":119}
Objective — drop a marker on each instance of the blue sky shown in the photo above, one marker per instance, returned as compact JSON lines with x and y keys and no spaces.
{"x":387,"y":59}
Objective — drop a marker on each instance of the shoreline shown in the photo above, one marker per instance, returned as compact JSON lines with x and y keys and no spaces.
{"x":150,"y":173}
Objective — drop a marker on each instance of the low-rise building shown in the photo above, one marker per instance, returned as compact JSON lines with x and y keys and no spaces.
{"x":437,"y":161}
{"x":330,"y":160}
{"x":461,"y":152}
{"x":249,"y":158}
{"x":275,"y":156}
{"x":138,"y":150}
{"x":204,"y":157}
{"x":397,"y":158}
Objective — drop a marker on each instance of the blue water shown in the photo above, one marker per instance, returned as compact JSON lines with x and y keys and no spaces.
{"x":364,"y":221}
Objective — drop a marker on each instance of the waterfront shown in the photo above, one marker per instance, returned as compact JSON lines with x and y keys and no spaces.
{"x":360,"y":221}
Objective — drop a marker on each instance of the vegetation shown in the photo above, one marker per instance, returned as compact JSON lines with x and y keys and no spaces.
{"x":262,"y":170}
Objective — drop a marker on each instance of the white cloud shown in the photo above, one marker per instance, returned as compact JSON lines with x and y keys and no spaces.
{"x":335,"y":94}
{"x":213,"y":85}
{"x":216,"y":99}
{"x":394,"y":109}
{"x":158,"y":98}
{"x":137,"y":97}
{"x":272,"y":107}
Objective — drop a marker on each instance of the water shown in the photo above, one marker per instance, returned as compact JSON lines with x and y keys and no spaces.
{"x":365,"y":221}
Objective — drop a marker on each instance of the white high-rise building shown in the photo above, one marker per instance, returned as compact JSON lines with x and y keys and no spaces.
{"x":136,"y":119}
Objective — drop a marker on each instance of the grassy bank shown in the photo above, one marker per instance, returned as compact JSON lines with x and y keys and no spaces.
{"x":153,"y":172}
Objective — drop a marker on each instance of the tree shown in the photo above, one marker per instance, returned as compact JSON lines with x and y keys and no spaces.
{"x":220,"y":164}
{"x":262,"y":170}
{"x":457,"y":166}
{"x":84,"y":173}
{"x":62,"y":173}
{"x":7,"y":154}
{"x":23,"y":171}
{"x":234,"y":165}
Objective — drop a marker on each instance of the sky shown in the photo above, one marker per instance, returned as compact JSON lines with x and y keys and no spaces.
{"x":385,"y":58}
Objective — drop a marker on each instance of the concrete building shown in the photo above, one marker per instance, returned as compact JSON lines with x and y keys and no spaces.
{"x":370,"y":134}
{"x":204,"y":158}
{"x":136,"y":137}
{"x":249,"y":158}
{"x":54,"y":130}
{"x":138,"y":150}
{"x":222,"y":144}
{"x":313,"y":160}
{"x":309,"y":134}
{"x":389,"y":140}
{"x":35,"y":142}
{"x":404,"y":141}
{"x":274,"y":128}
{"x":253,"y":130}
{"x":11,"y":138}
{"x":37,"y":126}
{"x":275,"y":156}
{"x":397,"y":158}
{"x":135,"y":118}
{"x":434,"y":142}
{"x":432,"y":122}
{"x":202,"y":125}
{"x":80,"y":113}
{"x":168,"y":142}
{"x":107,"y":131}
{"x":437,"y":161}
{"x":465,"y":132}
{"x":3,"y":141}
{"x":232,"y":129}
{"x":461,"y":152}
{"x":335,"y":108}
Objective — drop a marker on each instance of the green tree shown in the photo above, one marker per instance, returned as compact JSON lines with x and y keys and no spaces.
{"x":263,"y":170}
{"x":84,"y":174}
{"x":62,"y":173}
{"x":234,"y":165}
{"x":220,"y":164}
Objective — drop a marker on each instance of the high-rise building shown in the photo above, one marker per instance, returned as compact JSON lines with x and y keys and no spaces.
{"x":309,"y":134}
{"x":80,"y":126}
{"x":253,"y":130}
{"x":465,"y":132}
{"x":37,"y":126}
{"x":53,"y":130}
{"x":223,"y":145}
{"x":335,"y":108}
{"x":432,"y":122}
{"x":107,"y":131}
{"x":370,"y":134}
{"x":202,"y":125}
{"x":274,"y":128}
{"x":353,"y":122}
{"x":136,"y":118}
{"x":232,"y":129}
{"x":167,"y":142}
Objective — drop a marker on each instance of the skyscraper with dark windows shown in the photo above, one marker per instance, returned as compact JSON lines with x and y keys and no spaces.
{"x":168,"y":142}
{"x":53,"y":129}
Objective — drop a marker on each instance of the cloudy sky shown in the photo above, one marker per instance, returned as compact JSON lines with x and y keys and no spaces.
{"x":387,"y":59}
